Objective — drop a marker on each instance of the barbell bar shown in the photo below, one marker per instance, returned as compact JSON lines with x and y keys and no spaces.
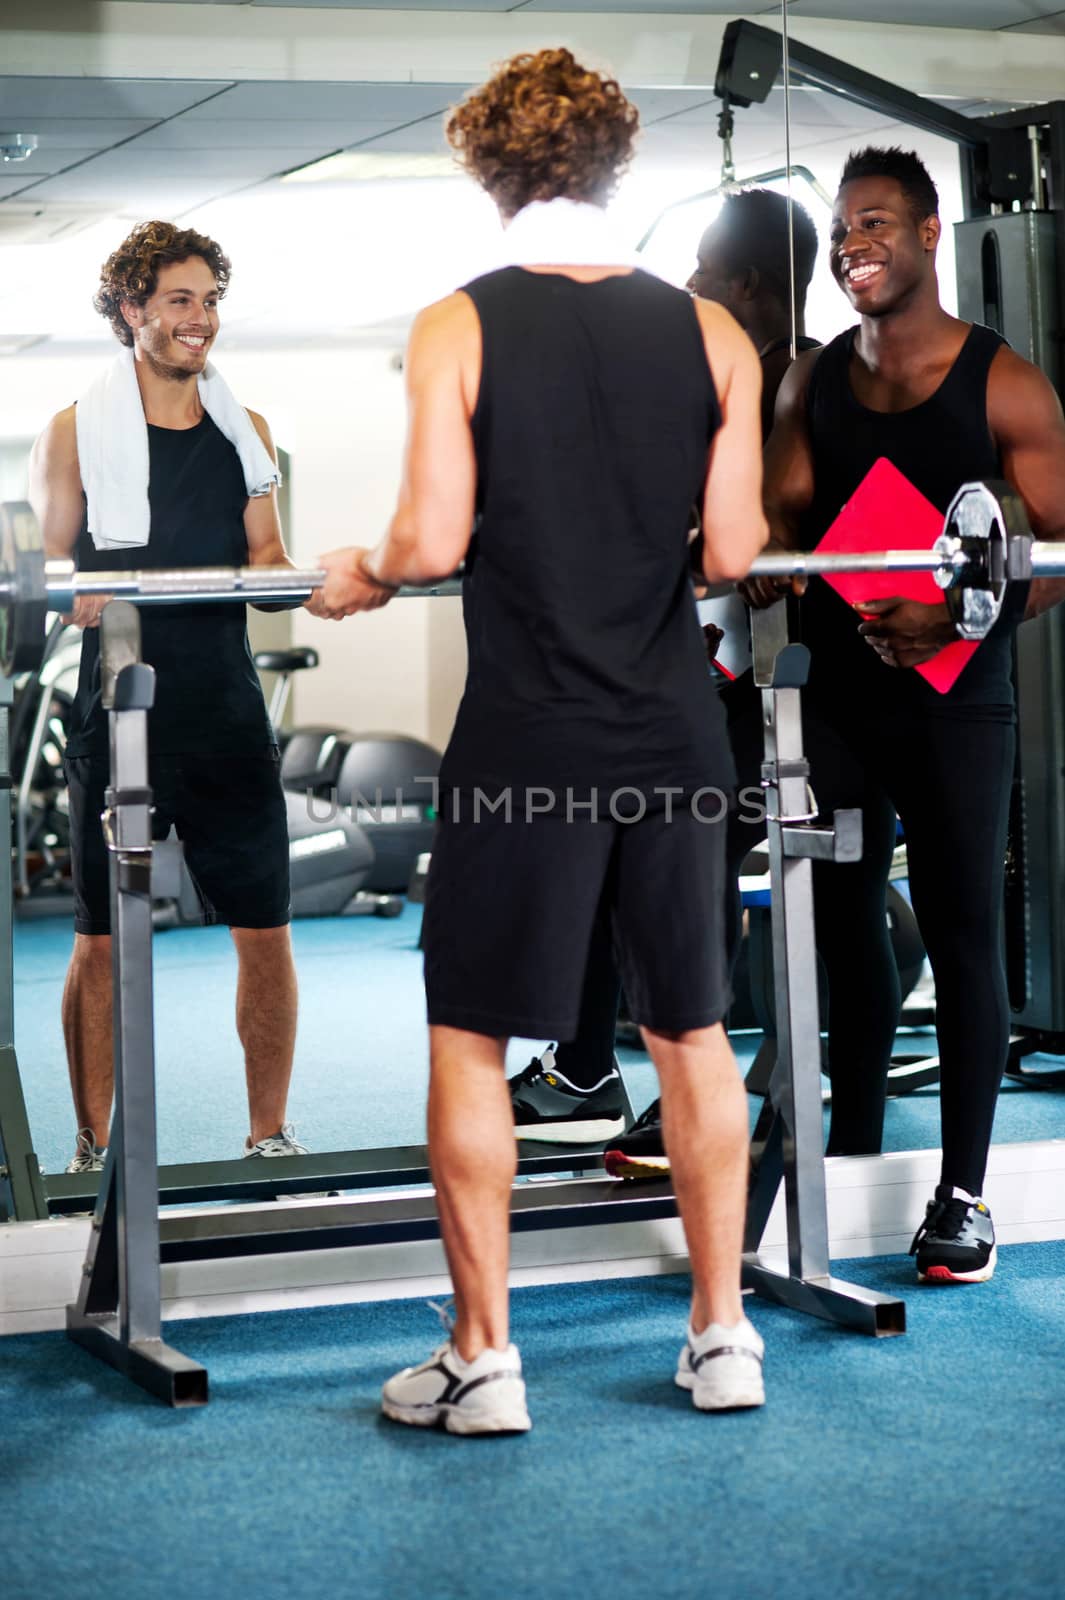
{"x":985,"y":544}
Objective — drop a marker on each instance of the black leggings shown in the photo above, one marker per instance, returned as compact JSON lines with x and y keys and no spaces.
{"x":949,"y":779}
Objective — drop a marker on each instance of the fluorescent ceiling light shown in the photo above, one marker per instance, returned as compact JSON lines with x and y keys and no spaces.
{"x":13,"y":344}
{"x":356,"y":166}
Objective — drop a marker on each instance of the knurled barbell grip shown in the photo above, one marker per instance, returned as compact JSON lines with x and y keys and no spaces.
{"x":801,"y":564}
{"x":169,"y":584}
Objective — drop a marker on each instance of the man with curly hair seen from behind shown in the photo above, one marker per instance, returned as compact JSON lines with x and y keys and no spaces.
{"x":579,"y":406}
{"x":158,"y":466}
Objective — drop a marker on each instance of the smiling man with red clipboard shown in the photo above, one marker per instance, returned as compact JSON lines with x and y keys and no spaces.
{"x":887,"y":422}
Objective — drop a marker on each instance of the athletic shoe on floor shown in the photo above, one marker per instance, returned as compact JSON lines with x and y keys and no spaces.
{"x":281,"y":1143}
{"x":88,"y":1156}
{"x":284,"y":1143}
{"x":722,"y":1367}
{"x":550,"y":1108}
{"x":956,"y":1241}
{"x":640,"y":1153}
{"x":486,"y":1395}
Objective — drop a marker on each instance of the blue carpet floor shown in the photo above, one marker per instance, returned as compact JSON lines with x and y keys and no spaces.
{"x":361,"y":1059}
{"x":928,"y":1464}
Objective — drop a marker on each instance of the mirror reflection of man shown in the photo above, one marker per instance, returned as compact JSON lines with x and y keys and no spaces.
{"x":946,"y":402}
{"x":158,"y":466}
{"x":571,"y":1093}
{"x":743,"y":264}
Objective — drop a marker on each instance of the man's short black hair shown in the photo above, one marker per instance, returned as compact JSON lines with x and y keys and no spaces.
{"x":907,"y":169}
{"x":751,"y":230}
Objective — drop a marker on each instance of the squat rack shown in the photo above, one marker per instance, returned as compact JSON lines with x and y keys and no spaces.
{"x":118,"y":1314}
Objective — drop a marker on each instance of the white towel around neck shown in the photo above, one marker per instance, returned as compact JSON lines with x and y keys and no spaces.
{"x":113,"y":450}
{"x":567,"y":233}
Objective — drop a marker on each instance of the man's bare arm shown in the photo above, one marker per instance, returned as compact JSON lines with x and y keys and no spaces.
{"x":788,"y":462}
{"x":55,"y":485}
{"x":262,"y":519}
{"x":1026,"y":421}
{"x":788,"y":485}
{"x":734,"y":525}
{"x":430,"y":531}
{"x":59,"y":503}
{"x":431,"y":528}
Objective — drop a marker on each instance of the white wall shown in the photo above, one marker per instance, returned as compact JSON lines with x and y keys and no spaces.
{"x":340,"y":415}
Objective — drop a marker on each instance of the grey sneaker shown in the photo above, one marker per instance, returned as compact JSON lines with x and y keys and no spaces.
{"x":550,"y":1108}
{"x":281,"y":1143}
{"x":486,"y":1395}
{"x":956,"y":1241}
{"x":284,"y":1143}
{"x":722,"y":1367}
{"x":88,"y":1156}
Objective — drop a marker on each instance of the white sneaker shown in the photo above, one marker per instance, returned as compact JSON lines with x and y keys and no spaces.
{"x":281,"y":1143}
{"x":486,"y":1395}
{"x":88,"y":1156}
{"x":723,"y":1367}
{"x":284,"y":1143}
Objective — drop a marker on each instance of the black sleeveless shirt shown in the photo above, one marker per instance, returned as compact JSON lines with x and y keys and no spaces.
{"x":938,"y":445}
{"x":207,"y":694}
{"x":592,"y":428}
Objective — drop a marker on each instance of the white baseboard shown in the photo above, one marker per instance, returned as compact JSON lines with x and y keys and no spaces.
{"x":874,"y":1203}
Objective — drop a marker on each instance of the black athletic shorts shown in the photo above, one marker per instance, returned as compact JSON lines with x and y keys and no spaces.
{"x":229,"y":812}
{"x":510,"y":908}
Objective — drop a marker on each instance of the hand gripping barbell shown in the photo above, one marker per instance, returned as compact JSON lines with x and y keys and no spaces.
{"x":985,"y":544}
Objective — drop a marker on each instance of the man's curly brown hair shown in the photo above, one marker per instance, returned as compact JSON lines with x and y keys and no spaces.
{"x":132,"y":271}
{"x":544,"y":128}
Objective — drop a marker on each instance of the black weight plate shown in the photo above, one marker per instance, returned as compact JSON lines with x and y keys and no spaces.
{"x":23,"y":592}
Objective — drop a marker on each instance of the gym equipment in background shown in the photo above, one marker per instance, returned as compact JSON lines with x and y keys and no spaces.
{"x":39,"y":723}
{"x":388,"y":784}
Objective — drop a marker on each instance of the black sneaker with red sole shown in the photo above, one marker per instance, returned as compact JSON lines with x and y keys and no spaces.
{"x":956,"y":1241}
{"x":640,"y":1153}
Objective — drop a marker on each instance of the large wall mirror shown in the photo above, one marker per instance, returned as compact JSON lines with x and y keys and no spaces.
{"x":337,"y":202}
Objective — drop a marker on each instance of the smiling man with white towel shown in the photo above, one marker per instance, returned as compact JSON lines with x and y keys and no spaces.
{"x":158,"y":465}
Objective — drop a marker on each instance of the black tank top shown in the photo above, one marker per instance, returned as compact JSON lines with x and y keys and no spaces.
{"x":939,"y":445}
{"x":592,"y":427}
{"x":207,"y":694}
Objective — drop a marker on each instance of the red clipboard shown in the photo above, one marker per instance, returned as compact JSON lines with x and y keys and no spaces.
{"x":886,"y":512}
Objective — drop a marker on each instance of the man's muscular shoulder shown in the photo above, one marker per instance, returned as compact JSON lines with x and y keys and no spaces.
{"x":57,"y":445}
{"x":729,"y":351}
{"x":791,"y":395}
{"x":1020,"y":398}
{"x":262,"y":428}
{"x":54,"y":457}
{"x":445,"y":340}
{"x":450,"y":317}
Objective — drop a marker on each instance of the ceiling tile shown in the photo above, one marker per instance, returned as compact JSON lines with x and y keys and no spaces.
{"x":423,"y":138}
{"x":655,"y":104}
{"x":118,"y":192}
{"x":42,"y":164}
{"x":1055,"y":23}
{"x":309,"y":102}
{"x":194,"y":133}
{"x":704,"y":8}
{"x":148,"y":99}
{"x":143,"y":167}
{"x":1029,"y":14}
{"x":81,"y":134}
{"x":388,"y":5}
